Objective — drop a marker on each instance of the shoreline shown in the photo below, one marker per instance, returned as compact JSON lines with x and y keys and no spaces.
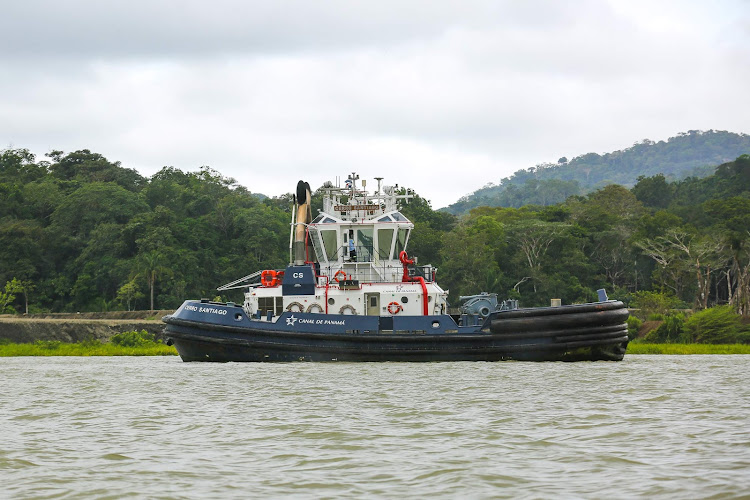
{"x":69,"y":328}
{"x":687,"y":349}
{"x":96,"y":348}
{"x":91,"y":348}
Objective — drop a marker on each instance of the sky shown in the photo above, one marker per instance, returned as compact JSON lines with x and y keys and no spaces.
{"x":440,"y":96}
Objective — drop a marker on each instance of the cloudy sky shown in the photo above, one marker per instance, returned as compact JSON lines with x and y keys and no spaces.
{"x":441,"y":96}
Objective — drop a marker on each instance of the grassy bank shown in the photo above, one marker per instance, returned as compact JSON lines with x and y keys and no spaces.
{"x":51,"y":348}
{"x":643,"y":348}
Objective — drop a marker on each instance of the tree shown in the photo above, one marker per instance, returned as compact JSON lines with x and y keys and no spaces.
{"x":466,"y":267}
{"x":653,"y":191}
{"x":718,"y":325}
{"x":129,"y":293}
{"x":679,"y":251}
{"x":533,"y":238}
{"x":152,"y":264}
{"x":8,"y":295}
{"x":96,"y":203}
{"x":25,"y":287}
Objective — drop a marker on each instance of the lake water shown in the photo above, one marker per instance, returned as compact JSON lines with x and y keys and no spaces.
{"x":656,"y":426}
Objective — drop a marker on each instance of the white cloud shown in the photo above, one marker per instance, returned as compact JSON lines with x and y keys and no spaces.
{"x":440,"y":96}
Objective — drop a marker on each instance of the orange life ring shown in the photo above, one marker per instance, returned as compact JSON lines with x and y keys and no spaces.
{"x":395,"y":308}
{"x":268,"y":278}
{"x":336,"y":276}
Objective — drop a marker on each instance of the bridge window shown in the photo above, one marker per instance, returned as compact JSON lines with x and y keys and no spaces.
{"x":331,"y":243}
{"x":401,"y":238}
{"x":364,"y":244}
{"x":385,"y":240}
{"x":315,"y":238}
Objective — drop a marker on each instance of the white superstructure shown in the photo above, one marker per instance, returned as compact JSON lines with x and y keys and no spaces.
{"x":356,"y":247}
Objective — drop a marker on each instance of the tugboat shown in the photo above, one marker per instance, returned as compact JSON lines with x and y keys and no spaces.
{"x":352,"y":293}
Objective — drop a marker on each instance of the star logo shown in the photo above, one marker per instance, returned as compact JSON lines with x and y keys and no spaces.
{"x":291,"y":320}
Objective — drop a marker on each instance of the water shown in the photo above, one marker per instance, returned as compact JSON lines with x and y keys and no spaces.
{"x":664,"y":426}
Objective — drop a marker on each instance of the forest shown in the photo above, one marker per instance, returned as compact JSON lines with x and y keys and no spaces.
{"x":689,"y":154}
{"x":81,"y":233}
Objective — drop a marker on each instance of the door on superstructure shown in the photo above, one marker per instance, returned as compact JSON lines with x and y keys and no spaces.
{"x":373,"y":304}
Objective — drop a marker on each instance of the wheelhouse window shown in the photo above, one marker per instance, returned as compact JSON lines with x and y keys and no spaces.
{"x":385,"y":241}
{"x":330,"y":243}
{"x":364,"y":244}
{"x":398,"y":217}
{"x":315,"y":238}
{"x":401,"y":238}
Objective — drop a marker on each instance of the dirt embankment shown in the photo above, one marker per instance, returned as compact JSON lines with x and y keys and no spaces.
{"x":78,"y":327}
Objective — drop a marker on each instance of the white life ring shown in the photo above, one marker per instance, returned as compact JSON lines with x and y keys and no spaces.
{"x":339,"y":276}
{"x":395,"y":308}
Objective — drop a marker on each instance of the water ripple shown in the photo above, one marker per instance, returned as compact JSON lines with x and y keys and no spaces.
{"x":664,"y":426}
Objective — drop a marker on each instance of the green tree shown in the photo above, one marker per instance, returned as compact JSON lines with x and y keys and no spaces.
{"x":717,"y":325}
{"x":649,"y":303}
{"x":25,"y":287}
{"x":653,"y":191}
{"x":129,"y":293}
{"x":96,"y":203}
{"x":533,"y":238}
{"x":8,"y":295}
{"x":152,"y":265}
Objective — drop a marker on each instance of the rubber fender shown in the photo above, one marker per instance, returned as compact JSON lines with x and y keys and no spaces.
{"x":561,"y":332}
{"x":592,"y":343}
{"x":559,"y":322}
{"x":593,"y":336}
{"x":557,"y":311}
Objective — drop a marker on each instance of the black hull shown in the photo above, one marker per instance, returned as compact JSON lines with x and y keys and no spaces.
{"x":587,"y":332}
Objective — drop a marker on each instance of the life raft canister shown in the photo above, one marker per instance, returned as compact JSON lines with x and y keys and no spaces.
{"x":268,"y":278}
{"x":395,"y":308}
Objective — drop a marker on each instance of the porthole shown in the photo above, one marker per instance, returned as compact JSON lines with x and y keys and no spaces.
{"x":331,"y":301}
{"x":404,"y":300}
{"x":436,"y":324}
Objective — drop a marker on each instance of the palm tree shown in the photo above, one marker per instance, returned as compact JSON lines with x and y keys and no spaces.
{"x":152,"y":265}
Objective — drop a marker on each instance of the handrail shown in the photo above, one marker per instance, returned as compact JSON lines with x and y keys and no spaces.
{"x":231,"y":286}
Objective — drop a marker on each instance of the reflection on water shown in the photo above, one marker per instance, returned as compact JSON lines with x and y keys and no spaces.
{"x":671,"y":426}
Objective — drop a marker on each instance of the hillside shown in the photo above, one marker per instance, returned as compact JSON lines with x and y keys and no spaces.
{"x":689,"y":154}
{"x":81,"y":233}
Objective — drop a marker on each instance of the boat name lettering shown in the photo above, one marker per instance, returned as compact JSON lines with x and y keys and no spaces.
{"x":346,"y":208}
{"x":211,"y":310}
{"x":322,"y":321}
